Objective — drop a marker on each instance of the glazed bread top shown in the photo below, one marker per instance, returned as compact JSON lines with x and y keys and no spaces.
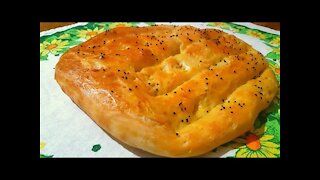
{"x":175,"y":91}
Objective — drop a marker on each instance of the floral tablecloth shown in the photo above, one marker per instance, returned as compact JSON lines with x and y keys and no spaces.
{"x":66,"y":131}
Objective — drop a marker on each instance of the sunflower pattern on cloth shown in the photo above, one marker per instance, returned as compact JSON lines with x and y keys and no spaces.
{"x":262,"y":142}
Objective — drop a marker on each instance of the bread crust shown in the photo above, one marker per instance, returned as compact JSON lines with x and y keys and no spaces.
{"x":174,"y":91}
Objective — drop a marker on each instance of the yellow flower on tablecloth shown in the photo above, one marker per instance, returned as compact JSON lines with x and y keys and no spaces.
{"x":89,"y":33}
{"x":52,"y":47}
{"x":275,"y":42}
{"x":256,"y":34}
{"x":119,"y":24}
{"x":276,"y":50}
{"x":64,"y":36}
{"x":42,"y":145}
{"x":219,"y":24}
{"x":256,"y":147}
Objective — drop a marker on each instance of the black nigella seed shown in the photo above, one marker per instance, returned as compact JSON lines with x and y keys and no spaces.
{"x":189,"y":90}
{"x":166,"y":94}
{"x":207,"y":111}
{"x":206,"y":78}
{"x":221,"y":78}
{"x":130,"y":89}
{"x":174,"y":113}
{"x":217,"y":75}
{"x":111,"y":91}
{"x":231,"y":111}
{"x":181,"y":120}
{"x":187,"y":120}
{"x":255,"y":94}
{"x":234,"y":71}
{"x":118,"y":70}
{"x":177,"y":134}
{"x":268,"y":101}
{"x":175,"y":92}
{"x":136,"y":86}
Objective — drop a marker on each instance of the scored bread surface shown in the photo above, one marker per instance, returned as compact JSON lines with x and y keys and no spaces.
{"x":174,"y":91}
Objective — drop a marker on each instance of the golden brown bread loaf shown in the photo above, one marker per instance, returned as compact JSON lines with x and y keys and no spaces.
{"x":174,"y":91}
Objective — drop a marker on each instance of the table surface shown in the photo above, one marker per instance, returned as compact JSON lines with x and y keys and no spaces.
{"x":50,"y":25}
